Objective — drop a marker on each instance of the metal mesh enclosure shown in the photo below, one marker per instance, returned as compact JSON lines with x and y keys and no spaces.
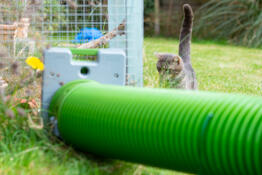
{"x":27,"y":26}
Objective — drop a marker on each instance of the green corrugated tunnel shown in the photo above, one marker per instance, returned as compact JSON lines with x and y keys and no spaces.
{"x":196,"y":132}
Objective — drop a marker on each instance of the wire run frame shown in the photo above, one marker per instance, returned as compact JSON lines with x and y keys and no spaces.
{"x":38,"y":23}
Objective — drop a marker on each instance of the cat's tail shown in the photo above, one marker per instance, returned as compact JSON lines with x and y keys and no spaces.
{"x":186,"y":34}
{"x":185,"y":46}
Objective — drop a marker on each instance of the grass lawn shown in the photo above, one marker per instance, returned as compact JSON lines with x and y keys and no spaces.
{"x":219,"y":68}
{"x":222,"y":68}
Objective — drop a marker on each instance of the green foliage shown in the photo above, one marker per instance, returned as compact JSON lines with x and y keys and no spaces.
{"x":237,"y":20}
{"x":149,"y":16}
{"x":148,"y":7}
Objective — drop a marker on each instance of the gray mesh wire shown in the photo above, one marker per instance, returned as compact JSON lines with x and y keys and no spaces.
{"x":27,"y":26}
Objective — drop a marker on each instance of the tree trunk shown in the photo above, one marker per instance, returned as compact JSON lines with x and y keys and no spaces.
{"x":170,"y":17}
{"x":157,"y":17}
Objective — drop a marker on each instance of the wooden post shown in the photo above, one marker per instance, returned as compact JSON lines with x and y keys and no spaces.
{"x":157,"y":17}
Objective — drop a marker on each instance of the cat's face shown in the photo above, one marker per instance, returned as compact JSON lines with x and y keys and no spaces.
{"x":169,"y":64}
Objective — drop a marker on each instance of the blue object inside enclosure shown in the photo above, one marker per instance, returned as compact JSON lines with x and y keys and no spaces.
{"x":87,"y":34}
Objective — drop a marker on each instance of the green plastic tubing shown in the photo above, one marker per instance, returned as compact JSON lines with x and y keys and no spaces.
{"x":196,"y":132}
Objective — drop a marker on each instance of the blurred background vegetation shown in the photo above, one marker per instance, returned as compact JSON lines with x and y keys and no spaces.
{"x":169,"y":13}
{"x":236,"y":21}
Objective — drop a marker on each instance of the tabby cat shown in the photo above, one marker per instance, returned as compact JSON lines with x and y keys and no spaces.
{"x":177,"y":71}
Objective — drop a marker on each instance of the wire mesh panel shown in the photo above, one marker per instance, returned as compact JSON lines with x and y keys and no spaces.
{"x":132,"y":42}
{"x":14,"y":29}
{"x":27,"y":26}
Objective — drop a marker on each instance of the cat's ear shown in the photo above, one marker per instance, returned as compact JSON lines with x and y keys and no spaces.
{"x":158,"y":55}
{"x":178,"y":60}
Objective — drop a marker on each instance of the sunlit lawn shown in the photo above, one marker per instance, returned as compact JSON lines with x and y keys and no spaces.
{"x":219,"y":67}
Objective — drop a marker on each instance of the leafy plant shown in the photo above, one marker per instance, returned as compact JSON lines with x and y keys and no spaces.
{"x":149,"y":7}
{"x":237,"y":20}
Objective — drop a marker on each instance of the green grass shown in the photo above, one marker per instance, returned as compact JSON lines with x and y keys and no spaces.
{"x":28,"y":152}
{"x":219,"y":67}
